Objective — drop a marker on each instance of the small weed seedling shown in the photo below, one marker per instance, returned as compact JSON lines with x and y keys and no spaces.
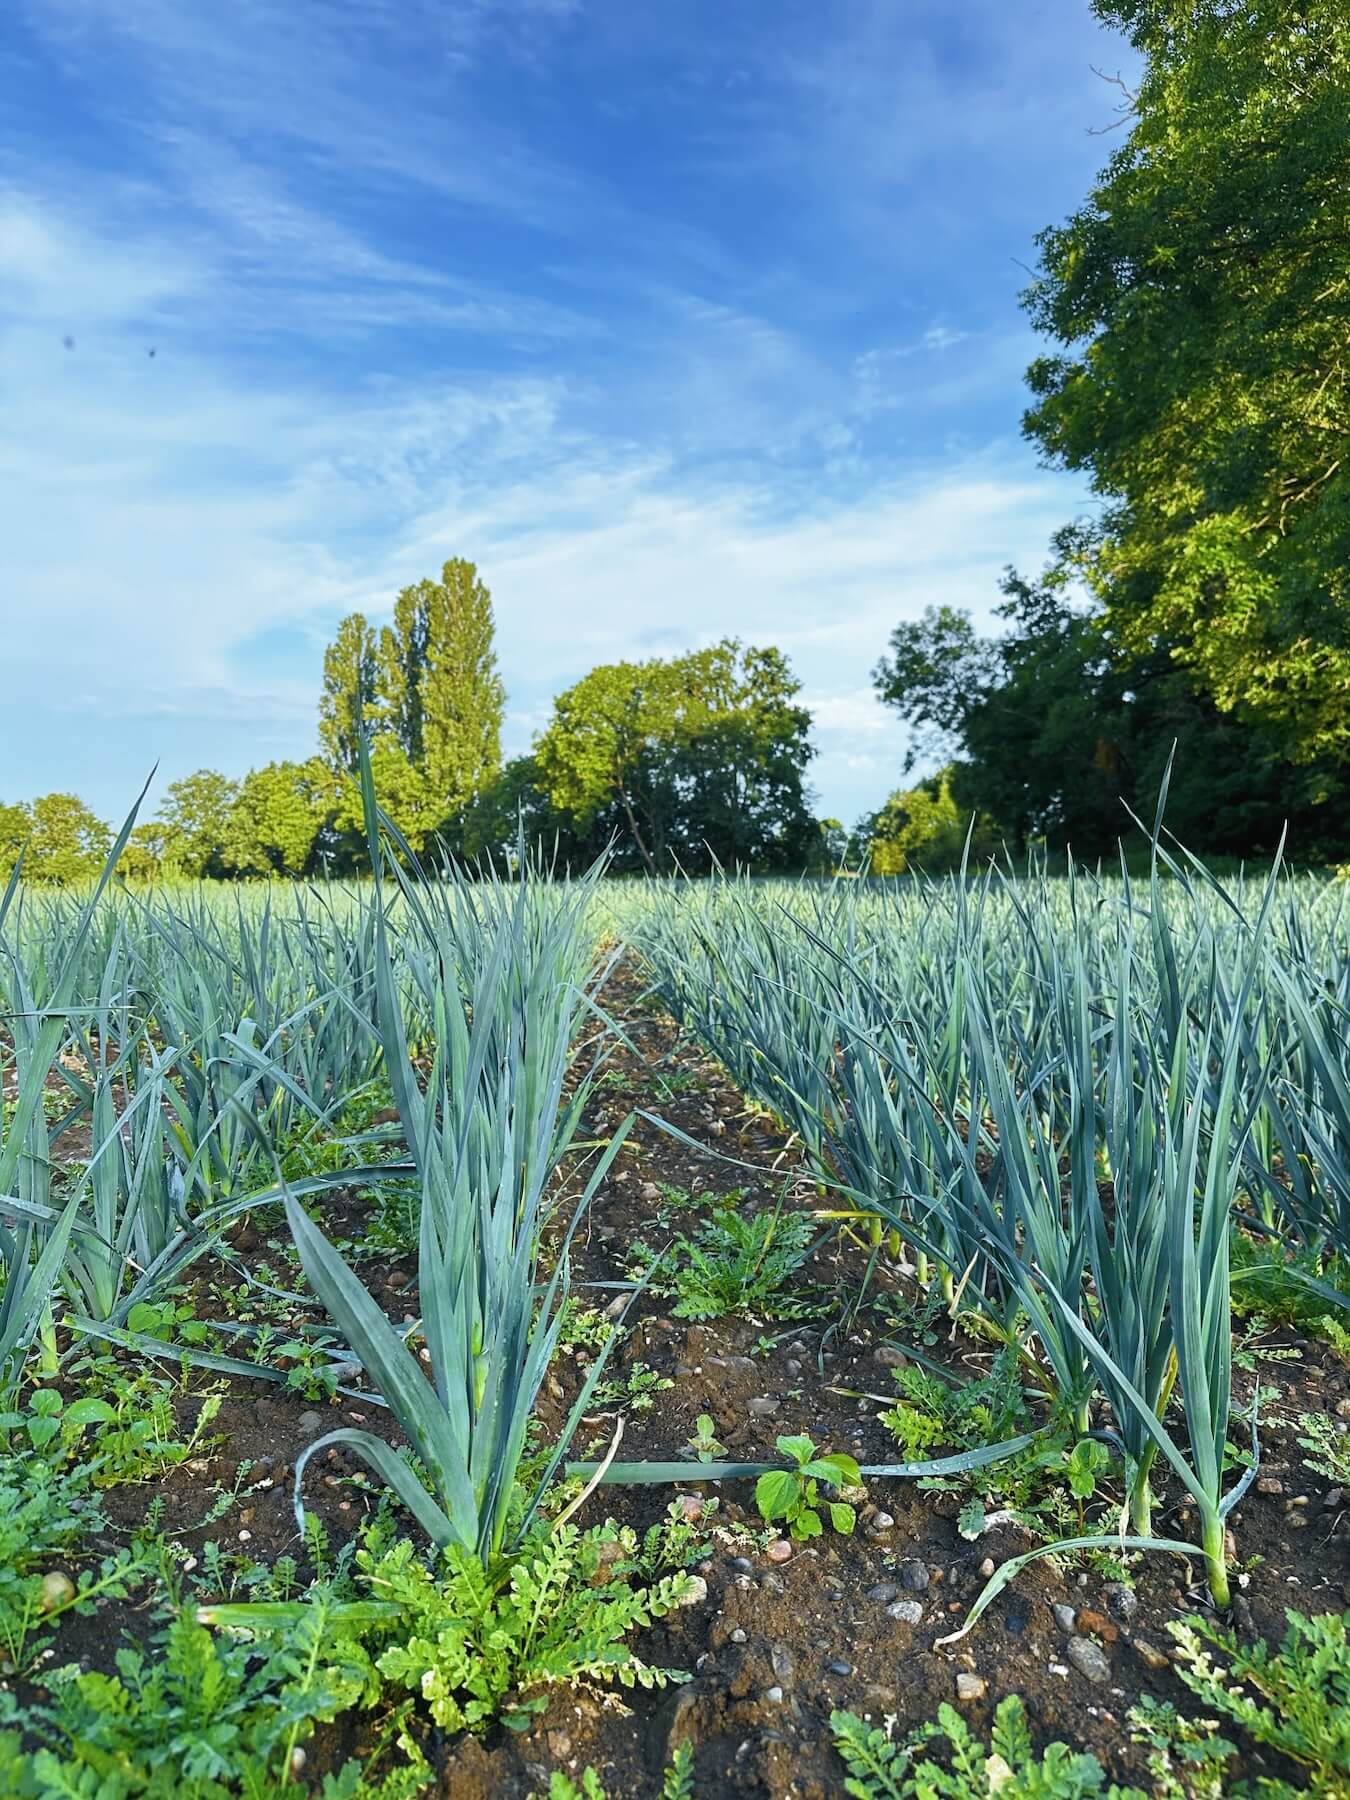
{"x":793,"y":1495}
{"x":1295,"y":1700}
{"x":880,"y":1769}
{"x":739,"y":1262}
{"x":704,"y":1443}
{"x":1328,"y":1451}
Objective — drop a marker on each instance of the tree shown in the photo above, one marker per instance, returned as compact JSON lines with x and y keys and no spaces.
{"x":404,"y":795}
{"x":1059,"y":733}
{"x":67,"y":843}
{"x":925,"y":828}
{"x":197,"y":813}
{"x":16,"y":822}
{"x":739,"y":764}
{"x":598,"y":746}
{"x":1202,"y":299}
{"x":428,"y":687}
{"x":349,"y":682}
{"x":684,"y":758}
{"x":515,"y":806}
{"x":443,"y":695}
{"x":148,"y":855}
{"x":276,"y":817}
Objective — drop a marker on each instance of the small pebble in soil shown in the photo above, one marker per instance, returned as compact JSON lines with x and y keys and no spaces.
{"x":970,"y":1687}
{"x":880,"y":1523}
{"x":839,"y":1667}
{"x":891,"y":1358}
{"x":780,"y":1659}
{"x":1016,"y":1623}
{"x":908,"y":1612}
{"x":914,"y":1576}
{"x":736,"y":1634}
{"x":695,"y":1593}
{"x":761,"y":1406}
{"x":742,"y":1564}
{"x":779,"y":1550}
{"x":884,"y":1592}
{"x":987,"y":1567}
{"x":1121,"y":1599}
{"x":774,"y":1696}
{"x":309,"y":1424}
{"x":57,"y":1589}
{"x":1089,"y":1659}
{"x":1269,"y":1484}
{"x":1149,"y":1654}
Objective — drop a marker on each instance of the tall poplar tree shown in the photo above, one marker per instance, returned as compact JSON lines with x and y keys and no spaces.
{"x":441,"y":695}
{"x":428,"y":690}
{"x":349,"y":679}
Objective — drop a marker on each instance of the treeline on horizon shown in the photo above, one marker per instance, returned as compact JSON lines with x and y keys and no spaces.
{"x":1198,"y":305}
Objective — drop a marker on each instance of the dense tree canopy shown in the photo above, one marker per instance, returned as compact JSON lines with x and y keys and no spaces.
{"x":1060,"y":734}
{"x":59,"y":839}
{"x":196,"y":813}
{"x":1201,"y":297}
{"x":926,"y":828}
{"x":684,"y":760}
{"x":278,"y":813}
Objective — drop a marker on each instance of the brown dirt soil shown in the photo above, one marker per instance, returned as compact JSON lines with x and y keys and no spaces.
{"x":776,"y":1645}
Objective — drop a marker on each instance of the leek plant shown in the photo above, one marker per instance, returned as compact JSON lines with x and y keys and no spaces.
{"x":40,"y":1001}
{"x":486,"y":1130}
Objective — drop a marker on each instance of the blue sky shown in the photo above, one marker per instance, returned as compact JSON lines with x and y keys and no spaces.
{"x":681,"y":320}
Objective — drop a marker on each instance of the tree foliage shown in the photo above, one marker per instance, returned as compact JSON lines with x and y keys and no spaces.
{"x":1201,"y":297}
{"x":684,"y":760}
{"x":926,"y":828}
{"x":276,"y":818}
{"x":428,"y":691}
{"x":1060,"y":734}
{"x":196,"y":813}
{"x":349,"y":673}
{"x":59,"y":839}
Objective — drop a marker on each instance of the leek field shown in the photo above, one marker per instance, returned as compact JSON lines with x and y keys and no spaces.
{"x":681,"y":1338}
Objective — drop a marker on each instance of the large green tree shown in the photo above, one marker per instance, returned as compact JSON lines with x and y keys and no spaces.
{"x":1201,"y":299}
{"x":684,"y":759}
{"x":196,"y":811}
{"x":439,"y":686}
{"x":1059,"y":733}
{"x":16,"y":821}
{"x":277,"y":814}
{"x":348,"y":695}
{"x":67,"y":844}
